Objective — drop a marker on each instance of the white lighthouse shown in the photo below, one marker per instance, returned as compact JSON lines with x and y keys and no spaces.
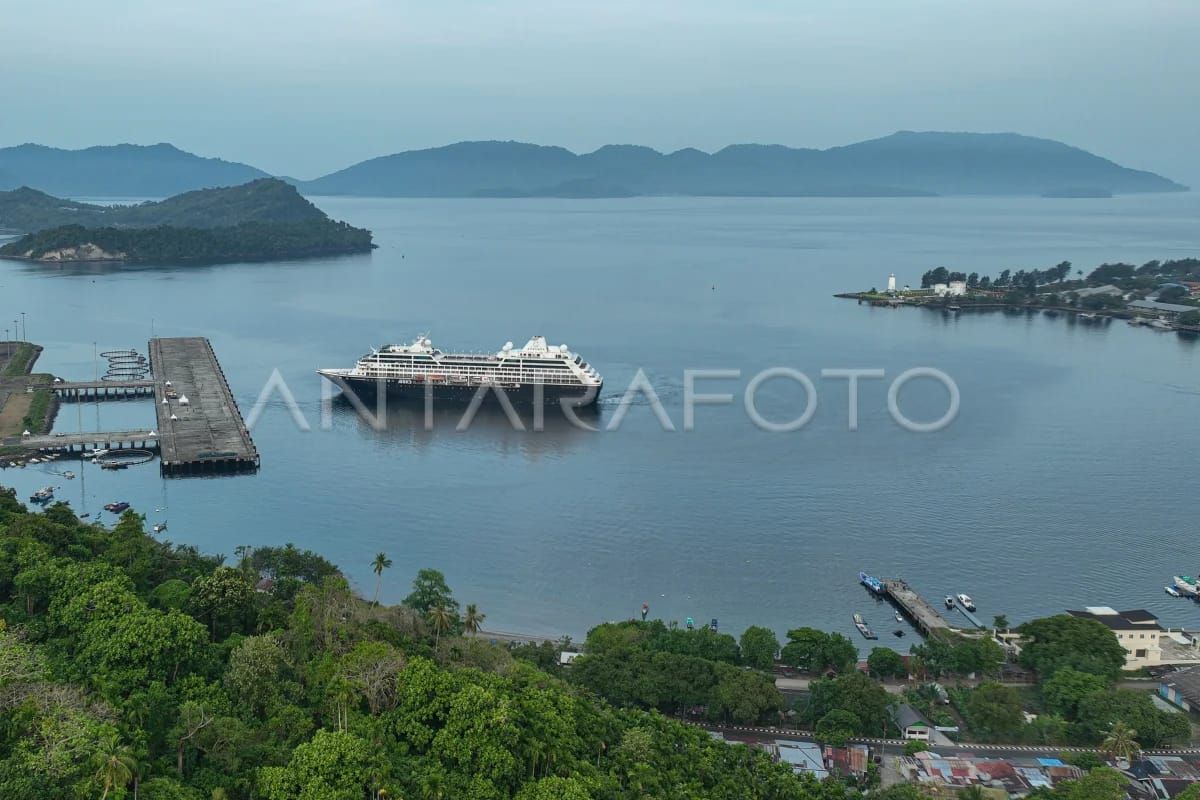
{"x":892,"y":283}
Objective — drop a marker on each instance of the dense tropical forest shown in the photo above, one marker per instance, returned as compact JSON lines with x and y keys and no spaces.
{"x":129,"y":665}
{"x":251,"y":241}
{"x":132,"y":667}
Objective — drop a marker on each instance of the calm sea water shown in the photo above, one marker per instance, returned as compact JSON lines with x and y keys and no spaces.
{"x":1067,"y":479}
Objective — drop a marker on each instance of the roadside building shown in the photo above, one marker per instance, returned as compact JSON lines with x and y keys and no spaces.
{"x":849,"y":761}
{"x":911,"y":724}
{"x":1153,"y":308}
{"x":1181,"y":688}
{"x":1162,"y":777}
{"x":802,"y":757}
{"x":1093,"y":291}
{"x":946,"y":776}
{"x":1136,"y":630}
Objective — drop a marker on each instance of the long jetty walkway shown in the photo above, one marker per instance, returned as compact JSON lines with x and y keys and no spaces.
{"x":81,"y":391}
{"x":924,"y":616}
{"x":200,"y":429}
{"x":88,"y":440}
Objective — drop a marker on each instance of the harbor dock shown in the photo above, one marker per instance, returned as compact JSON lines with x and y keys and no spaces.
{"x":200,"y":429}
{"x":974,"y":620}
{"x":89,"y":391}
{"x":90,"y":440}
{"x":925,"y":617}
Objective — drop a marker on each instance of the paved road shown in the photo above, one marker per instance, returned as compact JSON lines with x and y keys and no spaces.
{"x":894,"y":747}
{"x":516,"y":638}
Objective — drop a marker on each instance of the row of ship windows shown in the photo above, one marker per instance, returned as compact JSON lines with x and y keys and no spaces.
{"x":501,"y":370}
{"x":435,"y":365}
{"x":445,"y":361}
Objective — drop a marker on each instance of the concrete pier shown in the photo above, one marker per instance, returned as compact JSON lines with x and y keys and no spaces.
{"x":92,"y":440}
{"x":200,"y":430}
{"x":926,"y":618}
{"x":89,"y":391}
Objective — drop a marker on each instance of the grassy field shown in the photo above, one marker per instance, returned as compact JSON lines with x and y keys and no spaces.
{"x":35,"y":420}
{"x":19,"y":363}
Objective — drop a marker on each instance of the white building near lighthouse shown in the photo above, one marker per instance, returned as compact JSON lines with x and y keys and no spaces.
{"x":952,"y":289}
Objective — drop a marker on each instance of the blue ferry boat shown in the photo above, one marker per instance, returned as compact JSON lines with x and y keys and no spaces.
{"x":873,"y":584}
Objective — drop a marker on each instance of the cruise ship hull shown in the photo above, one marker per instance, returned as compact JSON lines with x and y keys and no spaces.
{"x":524,"y":395}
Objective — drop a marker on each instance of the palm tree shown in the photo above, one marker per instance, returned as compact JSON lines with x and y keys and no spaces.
{"x":380,"y":563}
{"x":473,"y":620}
{"x":1120,"y":742}
{"x":115,"y":764}
{"x":442,"y":619}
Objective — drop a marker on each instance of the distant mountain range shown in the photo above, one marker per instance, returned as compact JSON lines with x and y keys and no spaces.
{"x":902,"y":164}
{"x":123,"y":170}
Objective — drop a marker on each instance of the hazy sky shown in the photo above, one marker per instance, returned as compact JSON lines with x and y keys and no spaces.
{"x":303,"y":87}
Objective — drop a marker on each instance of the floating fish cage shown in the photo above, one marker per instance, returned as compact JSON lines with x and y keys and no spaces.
{"x":124,"y":458}
{"x":125,"y":374}
{"x":126,"y":365}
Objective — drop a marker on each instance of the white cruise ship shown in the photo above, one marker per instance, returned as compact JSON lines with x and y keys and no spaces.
{"x":537,"y":371}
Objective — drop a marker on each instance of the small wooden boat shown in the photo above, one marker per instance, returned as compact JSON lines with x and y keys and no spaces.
{"x":863,"y":628}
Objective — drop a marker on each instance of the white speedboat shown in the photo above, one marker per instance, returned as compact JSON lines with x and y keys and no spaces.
{"x":966,"y":602}
{"x":949,"y":601}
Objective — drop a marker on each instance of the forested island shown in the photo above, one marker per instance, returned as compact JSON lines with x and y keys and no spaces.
{"x":251,"y":241}
{"x":265,"y":219}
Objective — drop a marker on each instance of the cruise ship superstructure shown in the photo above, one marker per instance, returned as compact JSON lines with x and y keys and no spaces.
{"x":536,"y":372}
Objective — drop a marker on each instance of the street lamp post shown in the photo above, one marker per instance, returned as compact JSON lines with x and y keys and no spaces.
{"x":24,"y":330}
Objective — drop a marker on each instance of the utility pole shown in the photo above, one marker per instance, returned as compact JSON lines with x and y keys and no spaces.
{"x":24,"y":330}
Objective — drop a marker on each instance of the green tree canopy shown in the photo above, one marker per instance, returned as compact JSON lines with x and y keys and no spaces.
{"x":884,"y":662}
{"x":811,"y":650}
{"x":758,"y":647}
{"x":1068,"y":687}
{"x":995,"y":711}
{"x":430,"y":591}
{"x":837,"y":727}
{"x":1086,"y":645}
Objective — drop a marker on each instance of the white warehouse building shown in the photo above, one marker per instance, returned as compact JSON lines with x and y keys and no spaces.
{"x":951,"y":289}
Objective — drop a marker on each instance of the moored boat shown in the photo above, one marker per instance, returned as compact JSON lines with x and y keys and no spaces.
{"x":863,"y":628}
{"x":42,"y":495}
{"x":966,"y":602}
{"x":1171,"y":590}
{"x":1186,"y":584}
{"x":538,"y":372}
{"x":873,"y":584}
{"x":116,"y":508}
{"x":949,"y":601}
